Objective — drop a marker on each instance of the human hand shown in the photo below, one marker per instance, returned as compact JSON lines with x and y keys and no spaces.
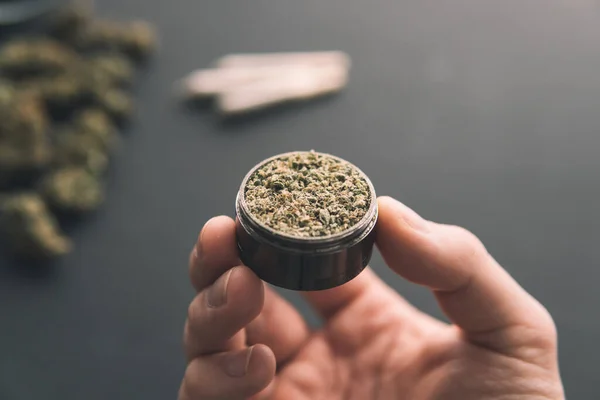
{"x":243,"y":341}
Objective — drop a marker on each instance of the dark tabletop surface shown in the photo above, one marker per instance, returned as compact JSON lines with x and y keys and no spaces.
{"x":479,"y":113}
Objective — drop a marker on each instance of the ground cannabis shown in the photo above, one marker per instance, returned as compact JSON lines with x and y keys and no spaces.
{"x":64,"y":93}
{"x":308,"y":194}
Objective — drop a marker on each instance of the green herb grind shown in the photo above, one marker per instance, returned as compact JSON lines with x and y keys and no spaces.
{"x":308,"y":194}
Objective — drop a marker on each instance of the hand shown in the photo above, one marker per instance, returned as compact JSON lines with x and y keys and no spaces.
{"x":244,"y":341}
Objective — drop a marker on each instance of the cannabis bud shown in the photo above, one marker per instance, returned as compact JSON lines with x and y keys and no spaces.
{"x":72,"y":189}
{"x":96,"y":123}
{"x":30,"y":56}
{"x":7,"y":93}
{"x":30,"y":229}
{"x":141,"y":40}
{"x":69,"y":20}
{"x":63,"y":95}
{"x":137,"y":38}
{"x":77,"y":149}
{"x":24,"y":145}
{"x":61,"y":91}
{"x":117,"y":103}
{"x":112,"y":69}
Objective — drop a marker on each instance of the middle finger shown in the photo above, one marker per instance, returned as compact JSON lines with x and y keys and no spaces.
{"x":279,"y":326}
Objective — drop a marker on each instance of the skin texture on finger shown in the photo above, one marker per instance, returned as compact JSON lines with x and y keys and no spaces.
{"x":214,"y":253}
{"x":266,"y":393}
{"x":472,"y":289}
{"x":278,"y":326}
{"x":368,"y":289}
{"x":314,"y":374}
{"x":237,"y":374}
{"x":218,"y":315}
{"x":329,"y":302}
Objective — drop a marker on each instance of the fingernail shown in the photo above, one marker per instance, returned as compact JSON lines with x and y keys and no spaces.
{"x":217,"y":293}
{"x":194,"y":255}
{"x":200,"y":238}
{"x":236,"y":365}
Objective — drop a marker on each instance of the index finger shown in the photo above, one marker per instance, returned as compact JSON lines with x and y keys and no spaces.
{"x":278,"y":325}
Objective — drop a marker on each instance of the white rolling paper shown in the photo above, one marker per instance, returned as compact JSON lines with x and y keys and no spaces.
{"x":292,"y":84}
{"x":287,"y":58}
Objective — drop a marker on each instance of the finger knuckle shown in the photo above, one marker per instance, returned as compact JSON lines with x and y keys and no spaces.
{"x":470,"y":248}
{"x":192,"y":261}
{"x":192,"y":387}
{"x":191,"y":346}
{"x":195,"y":312}
{"x":548,"y":332}
{"x":536,"y":338}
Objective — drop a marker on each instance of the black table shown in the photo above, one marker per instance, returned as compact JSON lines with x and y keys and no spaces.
{"x":479,"y":113}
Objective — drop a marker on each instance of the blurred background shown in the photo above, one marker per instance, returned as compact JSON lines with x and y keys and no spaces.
{"x":484,"y":114}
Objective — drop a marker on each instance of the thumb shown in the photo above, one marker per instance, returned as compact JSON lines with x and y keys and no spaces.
{"x":476,"y":293}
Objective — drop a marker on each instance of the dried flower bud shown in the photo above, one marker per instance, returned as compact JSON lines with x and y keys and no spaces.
{"x":80,"y":150}
{"x":7,"y":93}
{"x":71,"y":19}
{"x":30,"y":56}
{"x":24,"y":144}
{"x":30,"y":230}
{"x":136,"y":39}
{"x":115,"y":69}
{"x":97,"y":123}
{"x":63,"y":90}
{"x":117,"y":103}
{"x":73,"y":190}
{"x":141,"y":39}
